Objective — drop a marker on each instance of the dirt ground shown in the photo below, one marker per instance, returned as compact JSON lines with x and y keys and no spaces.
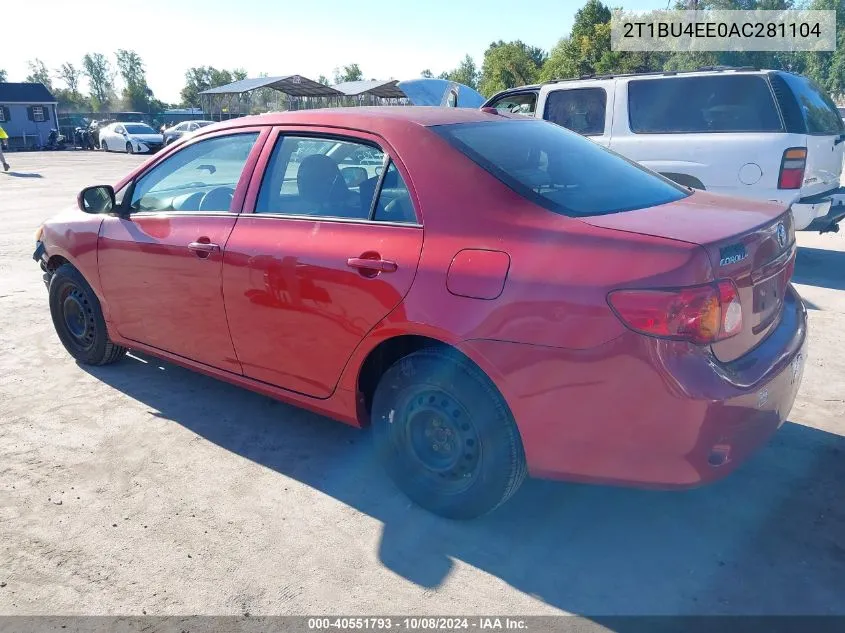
{"x":145,"y":488}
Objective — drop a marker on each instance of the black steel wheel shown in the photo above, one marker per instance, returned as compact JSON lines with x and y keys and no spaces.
{"x":445,"y":434}
{"x":78,"y":319}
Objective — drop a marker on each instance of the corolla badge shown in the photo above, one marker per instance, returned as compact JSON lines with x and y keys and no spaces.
{"x":781,"y":233}
{"x":732,"y":254}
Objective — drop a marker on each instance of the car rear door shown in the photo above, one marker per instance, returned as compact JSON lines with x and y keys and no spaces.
{"x":586,"y":108}
{"x":160,"y":263}
{"x":318,"y":257}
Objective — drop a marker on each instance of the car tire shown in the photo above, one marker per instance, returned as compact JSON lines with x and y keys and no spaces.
{"x":129,"y":148}
{"x":445,"y":435}
{"x":104,"y":146}
{"x":78,"y":319}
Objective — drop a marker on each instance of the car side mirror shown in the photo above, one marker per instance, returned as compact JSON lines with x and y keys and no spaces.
{"x":97,"y":199}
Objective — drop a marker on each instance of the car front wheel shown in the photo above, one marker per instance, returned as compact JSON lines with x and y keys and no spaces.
{"x":104,"y":146}
{"x":78,"y":319}
{"x":129,"y":148}
{"x":446,"y":436}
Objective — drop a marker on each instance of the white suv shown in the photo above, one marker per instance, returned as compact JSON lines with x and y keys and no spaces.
{"x":762,"y":134}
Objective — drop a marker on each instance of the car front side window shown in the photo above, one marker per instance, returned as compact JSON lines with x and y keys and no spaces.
{"x":520,"y":103}
{"x":200,"y":177}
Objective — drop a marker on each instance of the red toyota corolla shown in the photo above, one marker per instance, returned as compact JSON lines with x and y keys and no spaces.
{"x":494,"y":295}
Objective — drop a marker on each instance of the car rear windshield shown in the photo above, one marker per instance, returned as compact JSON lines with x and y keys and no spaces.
{"x":820,"y":113}
{"x":717,"y":103}
{"x":558,"y":169}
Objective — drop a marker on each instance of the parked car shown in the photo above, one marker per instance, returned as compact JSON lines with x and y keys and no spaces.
{"x":503,"y":297}
{"x":94,"y":129}
{"x":132,"y":138}
{"x":759,"y":134}
{"x":176,"y":132}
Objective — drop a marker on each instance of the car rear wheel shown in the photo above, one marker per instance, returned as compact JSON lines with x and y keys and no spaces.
{"x":446,"y":436}
{"x":78,"y":319}
{"x":129,"y":148}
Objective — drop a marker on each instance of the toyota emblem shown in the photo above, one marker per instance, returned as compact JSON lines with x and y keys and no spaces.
{"x":781,"y":232}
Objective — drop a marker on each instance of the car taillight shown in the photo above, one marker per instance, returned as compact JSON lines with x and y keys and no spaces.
{"x":792,"y":168}
{"x":699,"y":314}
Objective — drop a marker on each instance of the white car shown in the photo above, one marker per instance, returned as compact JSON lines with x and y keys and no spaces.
{"x":132,"y":138}
{"x":760,"y":134}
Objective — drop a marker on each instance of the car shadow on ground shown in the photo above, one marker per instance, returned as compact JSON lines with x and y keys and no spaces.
{"x":820,"y":267}
{"x":770,"y":539}
{"x":21,"y":174}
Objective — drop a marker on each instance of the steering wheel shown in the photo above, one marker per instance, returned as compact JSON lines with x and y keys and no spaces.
{"x":190,"y":202}
{"x":218,"y":199}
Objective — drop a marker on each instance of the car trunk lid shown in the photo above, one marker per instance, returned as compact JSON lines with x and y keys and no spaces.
{"x":750,"y":243}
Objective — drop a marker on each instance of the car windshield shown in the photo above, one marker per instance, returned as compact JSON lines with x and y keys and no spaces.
{"x":204,"y":123}
{"x":558,"y":169}
{"x":136,"y":128}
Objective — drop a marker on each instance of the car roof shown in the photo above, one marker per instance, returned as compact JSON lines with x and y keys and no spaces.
{"x":700,"y":72}
{"x":370,"y":117}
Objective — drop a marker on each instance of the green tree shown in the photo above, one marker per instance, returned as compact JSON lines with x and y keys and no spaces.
{"x":96,"y":67}
{"x":509,"y":64}
{"x":426,"y":74}
{"x":828,"y":68}
{"x":3,"y":76}
{"x":137,"y":95}
{"x":323,"y":80}
{"x":202,"y":78}
{"x":465,"y":73}
{"x":70,"y":75}
{"x":38,"y":73}
{"x":70,"y":101}
{"x":587,"y":49}
{"x":348,"y":73}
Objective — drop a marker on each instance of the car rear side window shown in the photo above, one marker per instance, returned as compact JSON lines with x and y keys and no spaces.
{"x":713,"y":103}
{"x":819,"y":111}
{"x":581,"y":110}
{"x":558,"y":169}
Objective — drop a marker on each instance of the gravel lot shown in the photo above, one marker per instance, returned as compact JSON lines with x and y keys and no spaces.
{"x":145,"y":488}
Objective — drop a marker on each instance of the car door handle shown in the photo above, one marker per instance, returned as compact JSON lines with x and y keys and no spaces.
{"x":382,"y":265}
{"x":203,"y":247}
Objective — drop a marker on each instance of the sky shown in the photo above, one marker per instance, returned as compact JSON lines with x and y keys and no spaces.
{"x":395,"y":39}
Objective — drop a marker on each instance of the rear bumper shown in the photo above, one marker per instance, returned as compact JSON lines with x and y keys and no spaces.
{"x":642,"y":412}
{"x":821,"y":212}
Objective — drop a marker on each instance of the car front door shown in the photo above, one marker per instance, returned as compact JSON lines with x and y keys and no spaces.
{"x":323,"y":251}
{"x":160,"y":264}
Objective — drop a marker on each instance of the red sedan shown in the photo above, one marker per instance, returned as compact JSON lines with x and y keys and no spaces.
{"x":496,"y":296}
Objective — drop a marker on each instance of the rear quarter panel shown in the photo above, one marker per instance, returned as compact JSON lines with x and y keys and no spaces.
{"x":560,"y":272}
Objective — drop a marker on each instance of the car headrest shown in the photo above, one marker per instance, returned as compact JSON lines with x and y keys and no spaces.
{"x":319,"y":180}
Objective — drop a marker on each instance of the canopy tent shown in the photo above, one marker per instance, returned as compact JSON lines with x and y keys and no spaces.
{"x":372,"y":92}
{"x":235,"y":99}
{"x":238,"y":98}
